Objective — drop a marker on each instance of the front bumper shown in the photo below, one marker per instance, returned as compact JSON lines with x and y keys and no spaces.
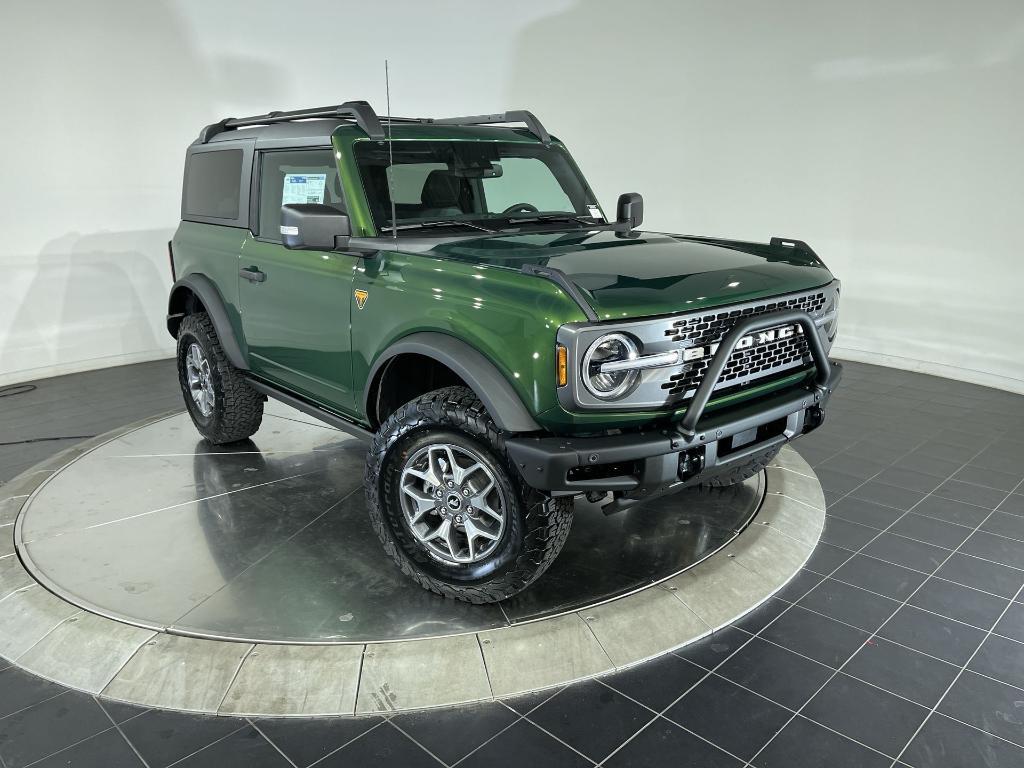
{"x":656,"y":462}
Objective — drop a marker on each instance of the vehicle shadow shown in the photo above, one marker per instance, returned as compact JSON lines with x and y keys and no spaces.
{"x":87,"y":298}
{"x":103,"y":98}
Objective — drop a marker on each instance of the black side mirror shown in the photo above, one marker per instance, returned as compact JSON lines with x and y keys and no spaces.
{"x":313,"y":227}
{"x":629,"y":212}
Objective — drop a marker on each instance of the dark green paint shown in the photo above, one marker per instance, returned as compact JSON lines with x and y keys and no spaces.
{"x":301,"y":327}
{"x":652,"y":274}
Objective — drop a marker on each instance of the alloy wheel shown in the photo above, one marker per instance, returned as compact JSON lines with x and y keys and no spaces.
{"x":453,"y":503}
{"x":197,"y":371}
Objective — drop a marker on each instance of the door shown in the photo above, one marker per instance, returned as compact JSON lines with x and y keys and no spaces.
{"x":296,"y":305}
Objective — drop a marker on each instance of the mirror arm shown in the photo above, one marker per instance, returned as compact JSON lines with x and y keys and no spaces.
{"x":363,"y":247}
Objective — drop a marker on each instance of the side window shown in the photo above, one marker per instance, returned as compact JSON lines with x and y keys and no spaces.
{"x":213,"y":183}
{"x":525,"y":180}
{"x":296,"y":176}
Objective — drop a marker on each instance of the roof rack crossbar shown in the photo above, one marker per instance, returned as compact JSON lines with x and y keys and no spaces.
{"x":533,"y":125}
{"x":364,"y":116}
{"x":360,"y":111}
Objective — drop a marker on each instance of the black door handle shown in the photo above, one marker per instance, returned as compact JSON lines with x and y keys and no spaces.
{"x":252,"y":274}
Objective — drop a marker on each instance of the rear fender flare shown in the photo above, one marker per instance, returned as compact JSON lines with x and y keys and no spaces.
{"x":213,"y":303}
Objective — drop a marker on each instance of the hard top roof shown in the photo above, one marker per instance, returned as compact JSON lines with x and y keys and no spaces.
{"x":319,"y":123}
{"x":319,"y":132}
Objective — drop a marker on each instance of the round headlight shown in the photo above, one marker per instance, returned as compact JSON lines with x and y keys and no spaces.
{"x":611,"y":348}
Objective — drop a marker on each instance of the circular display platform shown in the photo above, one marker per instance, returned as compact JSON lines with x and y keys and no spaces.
{"x":269,"y":541}
{"x":153,"y":567}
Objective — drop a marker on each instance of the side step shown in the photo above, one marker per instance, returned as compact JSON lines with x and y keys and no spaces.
{"x":310,"y":409}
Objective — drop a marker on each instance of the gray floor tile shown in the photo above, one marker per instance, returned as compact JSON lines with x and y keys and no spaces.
{"x":888,"y":495}
{"x":887,"y":579}
{"x":986,"y":704}
{"x":179,"y":673}
{"x":296,"y":680}
{"x":981,"y":574}
{"x":951,"y":511}
{"x":654,"y":621}
{"x":970,"y":606}
{"x":85,"y":652}
{"x":930,"y":530}
{"x":28,"y":616}
{"x":1013,"y":505}
{"x":422,"y":673}
{"x":514,"y":666}
{"x":995,"y":548}
{"x":991,"y":478}
{"x":1001,"y":524}
{"x":979,"y":495}
{"x":865,"y":512}
{"x":909,"y":479}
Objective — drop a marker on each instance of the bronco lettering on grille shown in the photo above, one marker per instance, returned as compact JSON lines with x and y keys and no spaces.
{"x":752,"y":340}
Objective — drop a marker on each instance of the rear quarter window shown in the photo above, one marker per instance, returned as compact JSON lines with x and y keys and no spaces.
{"x":213,"y":182}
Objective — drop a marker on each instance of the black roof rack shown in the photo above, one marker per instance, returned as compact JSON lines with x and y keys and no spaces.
{"x":360,"y":111}
{"x":531,"y":122}
{"x":364,"y":116}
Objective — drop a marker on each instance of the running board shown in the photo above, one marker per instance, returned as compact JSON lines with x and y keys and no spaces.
{"x":310,"y":409}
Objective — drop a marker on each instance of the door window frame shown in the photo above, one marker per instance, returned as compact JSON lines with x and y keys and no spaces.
{"x":255,"y":190}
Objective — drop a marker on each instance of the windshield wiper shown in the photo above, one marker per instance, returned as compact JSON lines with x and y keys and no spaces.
{"x":589,"y":221}
{"x":435,"y":224}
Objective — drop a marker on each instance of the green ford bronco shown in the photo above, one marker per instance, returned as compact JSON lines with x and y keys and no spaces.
{"x":451,"y":291}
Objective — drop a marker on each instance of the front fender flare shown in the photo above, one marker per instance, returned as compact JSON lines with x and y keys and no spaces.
{"x":479,"y":373}
{"x":213,"y":303}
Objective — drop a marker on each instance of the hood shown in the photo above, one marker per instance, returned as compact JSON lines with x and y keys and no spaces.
{"x":649,"y":273}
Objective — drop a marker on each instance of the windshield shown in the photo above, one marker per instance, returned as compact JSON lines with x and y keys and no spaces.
{"x":473,"y":184}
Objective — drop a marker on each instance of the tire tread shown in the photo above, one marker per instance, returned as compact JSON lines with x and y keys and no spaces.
{"x":240,"y":406}
{"x":547,"y":520}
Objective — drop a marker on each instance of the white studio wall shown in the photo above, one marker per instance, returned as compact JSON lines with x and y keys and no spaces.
{"x":886,"y":135}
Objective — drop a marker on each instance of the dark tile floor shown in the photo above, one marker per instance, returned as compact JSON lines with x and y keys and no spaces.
{"x":901,"y":642}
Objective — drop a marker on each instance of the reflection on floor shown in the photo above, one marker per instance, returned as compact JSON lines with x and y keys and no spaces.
{"x":902,"y":639}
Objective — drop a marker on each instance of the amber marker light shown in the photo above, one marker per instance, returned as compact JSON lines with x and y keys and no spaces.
{"x":561,"y":357}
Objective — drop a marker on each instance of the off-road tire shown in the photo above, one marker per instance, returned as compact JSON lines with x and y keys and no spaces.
{"x":237,"y":408}
{"x":536,"y":525}
{"x":738,"y":474}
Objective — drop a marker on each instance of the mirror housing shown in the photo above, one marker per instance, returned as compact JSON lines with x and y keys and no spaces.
{"x":629,"y":212}
{"x":313,"y":227}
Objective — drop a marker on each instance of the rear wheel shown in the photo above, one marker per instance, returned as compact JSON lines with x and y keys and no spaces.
{"x":451,"y":509}
{"x":224,"y":408}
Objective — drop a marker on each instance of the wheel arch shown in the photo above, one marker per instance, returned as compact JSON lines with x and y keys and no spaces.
{"x":197,"y":292}
{"x":464,"y":361}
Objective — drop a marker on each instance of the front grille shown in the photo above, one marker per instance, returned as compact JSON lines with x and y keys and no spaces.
{"x":744,"y":364}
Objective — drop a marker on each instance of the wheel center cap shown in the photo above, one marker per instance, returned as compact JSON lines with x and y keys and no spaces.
{"x":454,"y":502}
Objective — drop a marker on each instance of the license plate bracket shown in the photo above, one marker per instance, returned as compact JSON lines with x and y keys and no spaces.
{"x":746,"y":437}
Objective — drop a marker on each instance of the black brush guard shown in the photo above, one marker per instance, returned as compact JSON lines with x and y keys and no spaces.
{"x":685,"y":453}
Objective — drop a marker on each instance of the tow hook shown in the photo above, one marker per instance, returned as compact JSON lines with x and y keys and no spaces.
{"x":691,"y":464}
{"x":813,"y":418}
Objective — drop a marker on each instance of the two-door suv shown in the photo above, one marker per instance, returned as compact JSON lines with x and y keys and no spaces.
{"x":451,"y":291}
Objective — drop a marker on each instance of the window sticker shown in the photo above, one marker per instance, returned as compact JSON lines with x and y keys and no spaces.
{"x":303,"y":188}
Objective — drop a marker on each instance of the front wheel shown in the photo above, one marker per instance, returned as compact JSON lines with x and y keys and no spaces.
{"x":449,"y":506}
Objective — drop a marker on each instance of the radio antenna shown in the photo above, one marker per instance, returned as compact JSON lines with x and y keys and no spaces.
{"x":391,"y":156}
